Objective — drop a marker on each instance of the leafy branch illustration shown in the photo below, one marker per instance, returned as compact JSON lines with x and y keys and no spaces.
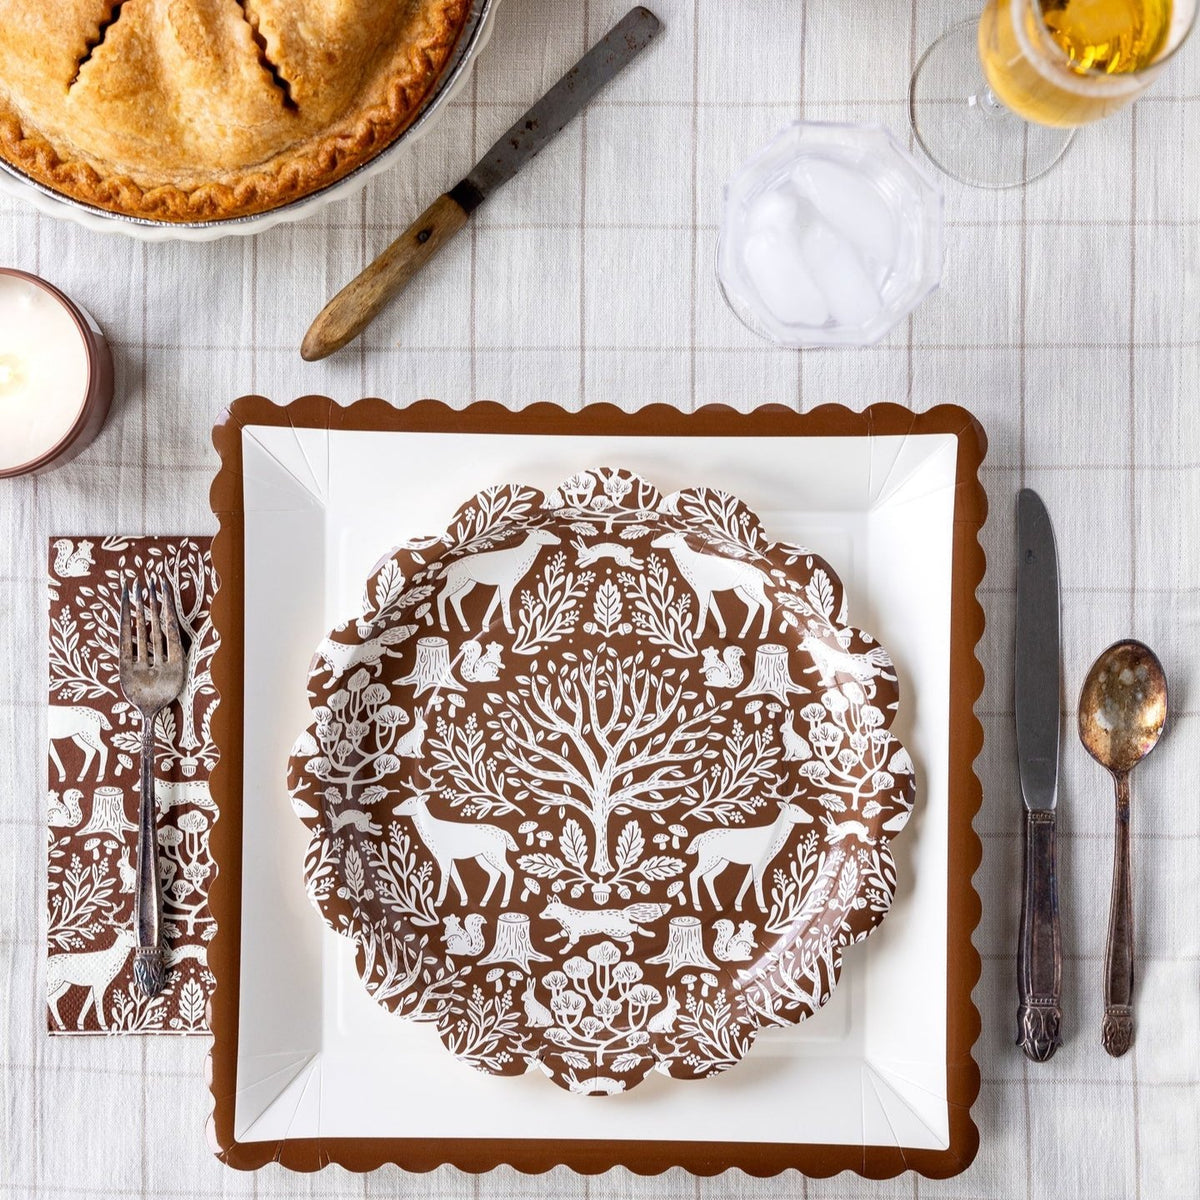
{"x":733,"y":787}
{"x":492,"y":516}
{"x":549,"y":612}
{"x":661,"y":615}
{"x":713,"y":510}
{"x":486,"y":1031}
{"x":74,"y":668}
{"x":82,"y":904}
{"x":460,"y":766}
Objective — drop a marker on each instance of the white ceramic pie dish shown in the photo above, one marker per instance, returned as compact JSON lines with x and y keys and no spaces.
{"x":475,"y":35}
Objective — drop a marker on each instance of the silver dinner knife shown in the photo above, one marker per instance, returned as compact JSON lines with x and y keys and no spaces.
{"x":1038,"y":682}
{"x":365,"y":296}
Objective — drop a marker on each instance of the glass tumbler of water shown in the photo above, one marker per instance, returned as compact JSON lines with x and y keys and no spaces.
{"x":831,"y":235}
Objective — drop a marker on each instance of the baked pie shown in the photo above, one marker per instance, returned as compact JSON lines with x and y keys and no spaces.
{"x":197,"y":110}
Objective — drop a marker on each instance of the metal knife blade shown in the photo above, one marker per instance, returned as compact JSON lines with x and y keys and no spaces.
{"x":563,"y":102}
{"x":1038,"y":688}
{"x":369,"y":292}
{"x":1038,"y":663}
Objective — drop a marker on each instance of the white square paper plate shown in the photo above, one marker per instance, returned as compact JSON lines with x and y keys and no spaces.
{"x":308,"y":1069}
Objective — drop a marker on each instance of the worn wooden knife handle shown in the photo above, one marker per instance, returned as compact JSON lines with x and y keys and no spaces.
{"x":1039,"y":957}
{"x":365,"y":296}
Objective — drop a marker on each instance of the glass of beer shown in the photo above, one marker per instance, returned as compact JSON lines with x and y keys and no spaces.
{"x":995,"y":103}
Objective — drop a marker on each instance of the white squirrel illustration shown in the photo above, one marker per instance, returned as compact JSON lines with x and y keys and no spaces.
{"x":65,"y":812}
{"x":730,"y":946}
{"x":723,"y":671}
{"x":356,"y":818}
{"x":478,"y":666}
{"x":621,"y":555}
{"x":618,"y":923}
{"x":537,"y":1015}
{"x":409,"y":746}
{"x":795,"y":748}
{"x":664,"y":1020}
{"x":72,"y":562}
{"x":462,"y":941}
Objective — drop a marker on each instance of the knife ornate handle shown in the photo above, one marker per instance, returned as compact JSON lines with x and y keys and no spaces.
{"x":1039,"y":957}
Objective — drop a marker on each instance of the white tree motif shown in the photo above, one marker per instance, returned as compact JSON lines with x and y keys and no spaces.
{"x":604,"y":734}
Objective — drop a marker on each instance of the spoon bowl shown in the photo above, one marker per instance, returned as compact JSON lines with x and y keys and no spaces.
{"x":1123,"y":706}
{"x":1122,"y":711}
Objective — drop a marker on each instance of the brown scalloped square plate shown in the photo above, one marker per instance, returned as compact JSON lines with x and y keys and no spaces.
{"x":613,"y":931}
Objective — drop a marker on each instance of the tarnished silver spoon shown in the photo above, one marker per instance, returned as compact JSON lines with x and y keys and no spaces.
{"x":1122,"y":710}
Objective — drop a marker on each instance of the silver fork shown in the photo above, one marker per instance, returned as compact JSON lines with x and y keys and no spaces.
{"x":153,"y":670}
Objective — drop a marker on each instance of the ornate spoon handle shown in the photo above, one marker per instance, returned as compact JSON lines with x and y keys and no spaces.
{"x":1117,"y":1030}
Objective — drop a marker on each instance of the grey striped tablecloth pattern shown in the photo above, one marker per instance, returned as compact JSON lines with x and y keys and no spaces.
{"x":1067,"y":321}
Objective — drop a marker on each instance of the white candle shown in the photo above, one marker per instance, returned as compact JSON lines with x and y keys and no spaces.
{"x":44,"y":372}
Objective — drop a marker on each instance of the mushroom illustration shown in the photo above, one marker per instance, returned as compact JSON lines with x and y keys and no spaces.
{"x":661,"y":840}
{"x":675,"y":891}
{"x":773,"y":710}
{"x":677,"y":832}
{"x":496,"y":976}
{"x":755,"y":707}
{"x":529,"y":887}
{"x":93,"y":844}
{"x":688,"y":981}
{"x":545,"y":838}
{"x":455,"y":701}
{"x":708,"y":981}
{"x":528,"y":828}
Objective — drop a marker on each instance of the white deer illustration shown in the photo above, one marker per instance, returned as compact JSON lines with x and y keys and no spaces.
{"x":707,"y":574}
{"x":83,"y":726}
{"x":501,"y":569}
{"x":450,"y":842}
{"x":92,"y":969}
{"x":754,"y":849}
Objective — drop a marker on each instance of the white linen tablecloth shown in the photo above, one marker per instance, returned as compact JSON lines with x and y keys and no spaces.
{"x":1067,"y":321}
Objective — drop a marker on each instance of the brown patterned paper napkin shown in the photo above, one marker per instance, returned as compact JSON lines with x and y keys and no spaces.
{"x":93,"y":793}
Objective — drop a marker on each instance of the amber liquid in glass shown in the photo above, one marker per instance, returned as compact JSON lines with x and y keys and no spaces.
{"x":1059,"y":62}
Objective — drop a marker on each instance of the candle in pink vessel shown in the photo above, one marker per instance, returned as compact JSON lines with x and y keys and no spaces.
{"x":55,"y":376}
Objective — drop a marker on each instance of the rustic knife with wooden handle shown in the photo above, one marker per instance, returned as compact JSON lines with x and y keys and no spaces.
{"x":365,"y":297}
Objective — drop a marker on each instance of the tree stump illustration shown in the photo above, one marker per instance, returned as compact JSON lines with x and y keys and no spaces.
{"x":772,"y":676}
{"x":432,"y":670}
{"x":685,"y":948}
{"x":108,"y":813}
{"x":513,"y":943}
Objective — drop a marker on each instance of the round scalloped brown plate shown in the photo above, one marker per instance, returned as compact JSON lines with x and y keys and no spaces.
{"x":601,"y":782}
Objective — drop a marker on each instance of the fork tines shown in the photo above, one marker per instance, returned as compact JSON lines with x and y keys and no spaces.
{"x":158,"y":641}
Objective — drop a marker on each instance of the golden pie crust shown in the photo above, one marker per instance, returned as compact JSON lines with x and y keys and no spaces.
{"x":199,"y":110}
